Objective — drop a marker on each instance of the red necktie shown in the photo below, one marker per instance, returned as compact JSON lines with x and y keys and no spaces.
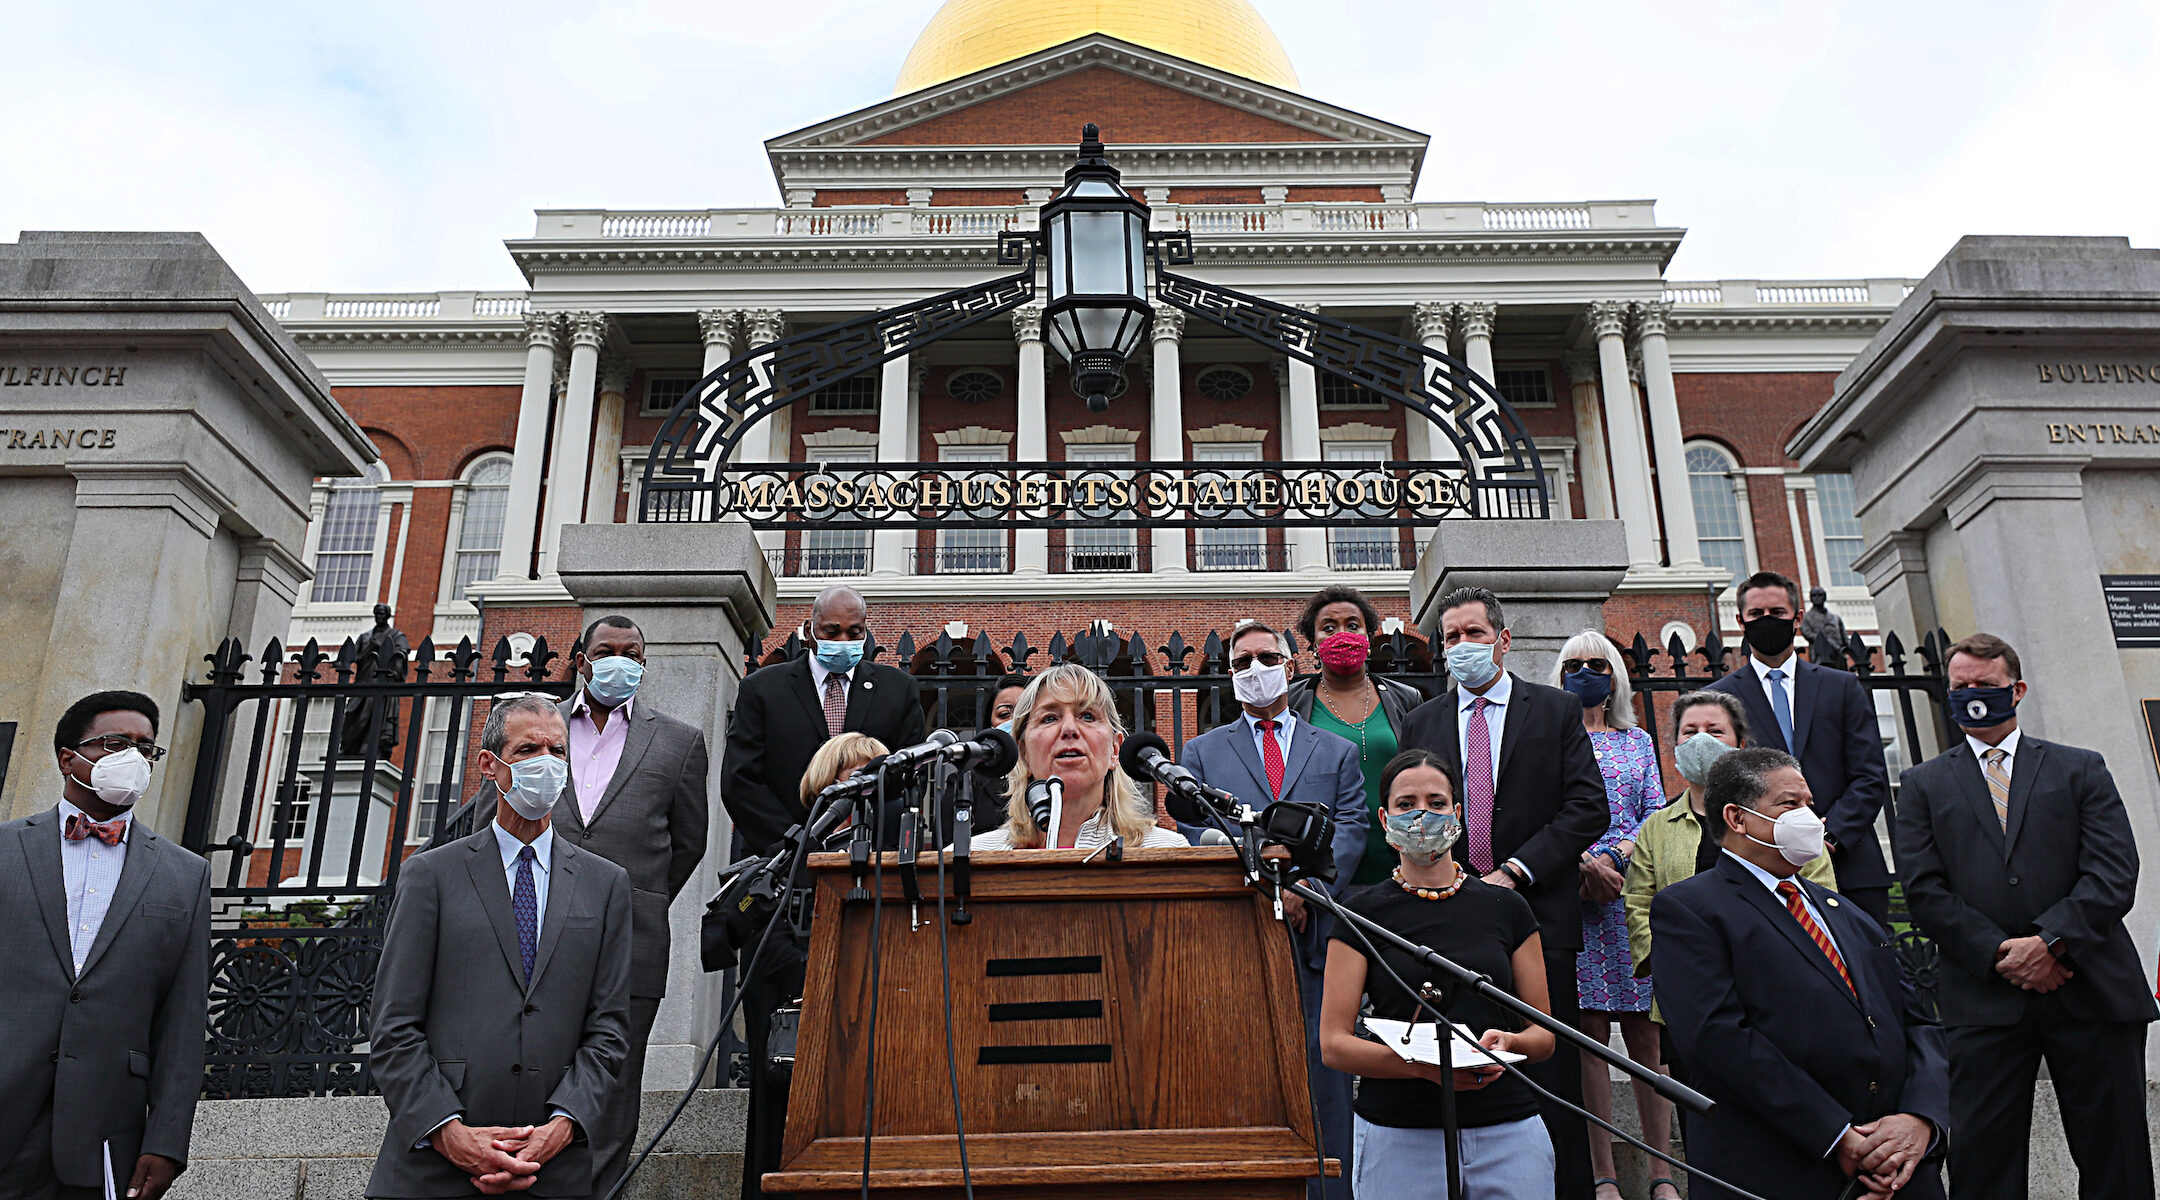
{"x":1478,"y":786}
{"x":1271,"y":754}
{"x":1791,"y":892}
{"x":79,"y":827}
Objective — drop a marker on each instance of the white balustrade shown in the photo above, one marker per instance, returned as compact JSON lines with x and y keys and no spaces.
{"x":502,"y":306}
{"x":277,"y":308}
{"x":1694,"y":293}
{"x":667,"y":225}
{"x":1230,"y":218}
{"x":1539,"y":217}
{"x":830,"y":222}
{"x":1363,"y":218}
{"x":967,"y":222}
{"x":1812,"y":294}
{"x":381,"y":308}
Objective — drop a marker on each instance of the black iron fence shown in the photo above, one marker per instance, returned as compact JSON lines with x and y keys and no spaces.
{"x":324,"y":770}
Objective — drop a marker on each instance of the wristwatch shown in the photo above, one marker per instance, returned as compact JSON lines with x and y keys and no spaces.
{"x":1515,"y":873}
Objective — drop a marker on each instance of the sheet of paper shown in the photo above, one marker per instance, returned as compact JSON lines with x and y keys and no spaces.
{"x":111,"y":1192}
{"x":1419,"y":1042}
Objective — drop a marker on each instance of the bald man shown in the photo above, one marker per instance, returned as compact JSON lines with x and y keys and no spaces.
{"x":783,"y":713}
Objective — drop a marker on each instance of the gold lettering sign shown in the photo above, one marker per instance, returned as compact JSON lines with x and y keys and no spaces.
{"x":62,"y":375}
{"x":2098,"y":372}
{"x":2077,"y":433}
{"x":59,"y":439}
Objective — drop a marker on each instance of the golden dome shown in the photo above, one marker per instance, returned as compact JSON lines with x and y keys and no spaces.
{"x":968,"y":35}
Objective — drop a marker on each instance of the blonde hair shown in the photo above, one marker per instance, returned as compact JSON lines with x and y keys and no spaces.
{"x":835,"y":758}
{"x":1128,"y":813}
{"x":1620,"y":706}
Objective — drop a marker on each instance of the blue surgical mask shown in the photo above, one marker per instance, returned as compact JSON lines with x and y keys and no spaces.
{"x":1592,"y":687}
{"x":1471,"y":663}
{"x":614,"y":679}
{"x":535,"y":783}
{"x":1697,"y":755}
{"x":839,"y":657}
{"x":1421,"y":836}
{"x":1005,"y":725}
{"x":1982,"y":708}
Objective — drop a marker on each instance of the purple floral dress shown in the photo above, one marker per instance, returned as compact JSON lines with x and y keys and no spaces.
{"x":1605,"y":970}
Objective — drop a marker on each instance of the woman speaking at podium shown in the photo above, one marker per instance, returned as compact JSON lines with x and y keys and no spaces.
{"x":1068,"y":729}
{"x":1400,"y":1148}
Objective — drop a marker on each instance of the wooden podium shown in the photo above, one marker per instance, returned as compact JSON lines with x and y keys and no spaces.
{"x":1121,"y":1029}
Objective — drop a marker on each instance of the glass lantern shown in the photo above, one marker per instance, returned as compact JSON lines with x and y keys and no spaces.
{"x":1095,"y":234}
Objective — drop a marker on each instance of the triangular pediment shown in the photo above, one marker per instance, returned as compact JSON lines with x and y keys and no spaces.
{"x":1020,"y":119}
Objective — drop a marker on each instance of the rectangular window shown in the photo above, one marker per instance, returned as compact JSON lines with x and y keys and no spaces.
{"x":1361,"y":548}
{"x":1100,"y":549}
{"x":1524,"y":387}
{"x":1842,"y":540}
{"x":1337,"y":392}
{"x":479,"y":549}
{"x":855,"y":394}
{"x":345,"y":553}
{"x":971,"y":551}
{"x":663,"y":392}
{"x":837,"y":551}
{"x":433,"y":800}
{"x":1233,"y":548}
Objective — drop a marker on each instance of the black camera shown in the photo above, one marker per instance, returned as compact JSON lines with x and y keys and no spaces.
{"x":1307,"y":830}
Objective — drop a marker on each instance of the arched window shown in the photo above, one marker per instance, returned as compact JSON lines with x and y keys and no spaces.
{"x":480,"y":532}
{"x":1720,"y":531}
{"x":345,"y":553}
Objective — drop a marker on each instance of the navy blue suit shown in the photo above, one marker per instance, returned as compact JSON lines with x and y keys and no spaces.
{"x":1840,"y":749}
{"x":1769,"y":1030}
{"x":1323,"y":768}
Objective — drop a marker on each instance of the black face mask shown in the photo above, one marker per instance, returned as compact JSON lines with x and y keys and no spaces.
{"x":1769,"y":636}
{"x":1982,"y":708}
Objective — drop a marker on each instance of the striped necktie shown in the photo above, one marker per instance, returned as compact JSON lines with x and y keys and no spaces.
{"x":1998,"y":781}
{"x":1791,"y":892}
{"x":835,"y":704}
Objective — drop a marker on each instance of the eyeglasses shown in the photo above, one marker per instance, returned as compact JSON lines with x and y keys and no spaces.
{"x":1596,"y":666}
{"x":114,"y":744}
{"x":1266,"y":658}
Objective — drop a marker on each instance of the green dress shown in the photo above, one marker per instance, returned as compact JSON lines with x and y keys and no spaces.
{"x":1375,"y":740}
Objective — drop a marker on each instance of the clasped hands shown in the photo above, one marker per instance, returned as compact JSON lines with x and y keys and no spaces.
{"x":2028,"y":963}
{"x":501,"y":1158}
{"x":1471,"y":1079}
{"x":1883,"y":1153}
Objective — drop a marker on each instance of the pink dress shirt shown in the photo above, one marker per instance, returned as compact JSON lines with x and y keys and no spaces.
{"x":595,"y":752}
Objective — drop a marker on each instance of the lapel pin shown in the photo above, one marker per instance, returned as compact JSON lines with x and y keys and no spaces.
{"x":1832,"y":900}
{"x":867,"y":685}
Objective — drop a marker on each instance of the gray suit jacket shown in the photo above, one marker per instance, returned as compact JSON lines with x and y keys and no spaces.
{"x":457,"y":1031}
{"x":651,"y":822}
{"x":1322,"y":768}
{"x":117,"y":1052}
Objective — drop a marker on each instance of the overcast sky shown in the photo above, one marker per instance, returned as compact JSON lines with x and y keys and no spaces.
{"x":393,"y":146}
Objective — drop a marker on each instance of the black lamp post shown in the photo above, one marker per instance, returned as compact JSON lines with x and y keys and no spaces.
{"x":1095,"y":236}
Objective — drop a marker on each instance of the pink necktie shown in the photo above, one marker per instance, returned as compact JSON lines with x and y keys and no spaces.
{"x":1478,"y":787}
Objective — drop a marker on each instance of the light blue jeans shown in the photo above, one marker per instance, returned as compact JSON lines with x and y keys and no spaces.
{"x":1500,"y":1162}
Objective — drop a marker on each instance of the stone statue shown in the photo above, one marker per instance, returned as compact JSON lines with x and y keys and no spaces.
{"x":381,"y":659}
{"x":1820,"y":622}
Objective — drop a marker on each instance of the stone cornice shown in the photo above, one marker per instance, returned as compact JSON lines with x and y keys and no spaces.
{"x":409,"y":333}
{"x":1682,"y":323}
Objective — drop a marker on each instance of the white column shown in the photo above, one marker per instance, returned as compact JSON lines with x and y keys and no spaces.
{"x":1477,"y":323}
{"x":566,"y":481}
{"x":1031,"y":441}
{"x":521,"y":516}
{"x":773,"y":438}
{"x":1596,"y":475}
{"x":1635,"y":388}
{"x":1631,"y":483}
{"x":890,"y":549}
{"x":1675,"y":499}
{"x":607,"y":441}
{"x":1301,"y":443}
{"x":716,"y":329}
{"x":1166,"y":429}
{"x":1431,"y":320}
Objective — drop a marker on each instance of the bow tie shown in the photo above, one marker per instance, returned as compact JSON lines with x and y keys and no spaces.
{"x":109,"y":832}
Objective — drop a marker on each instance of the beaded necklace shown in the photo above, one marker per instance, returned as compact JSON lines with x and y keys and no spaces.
{"x":1320,"y":690}
{"x":1426,"y":893}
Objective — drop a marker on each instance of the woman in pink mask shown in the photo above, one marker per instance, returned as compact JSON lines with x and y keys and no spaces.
{"x":1340,"y":624}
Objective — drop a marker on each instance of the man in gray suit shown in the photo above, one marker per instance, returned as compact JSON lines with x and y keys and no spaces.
{"x":105,"y":930}
{"x":1269,"y":755}
{"x":636,"y":798}
{"x":500,"y":1002}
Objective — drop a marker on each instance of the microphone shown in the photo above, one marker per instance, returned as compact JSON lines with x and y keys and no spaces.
{"x":1212,"y":836}
{"x":1146,"y":756}
{"x":1045,"y":796}
{"x":992,"y":750}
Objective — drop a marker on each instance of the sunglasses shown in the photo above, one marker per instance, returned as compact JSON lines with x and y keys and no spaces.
{"x":1266,"y":658}
{"x":1596,"y":666}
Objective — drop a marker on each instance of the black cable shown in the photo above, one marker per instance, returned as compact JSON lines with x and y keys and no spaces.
{"x":1373,"y":954}
{"x":877,"y":944}
{"x":952,"y":1061}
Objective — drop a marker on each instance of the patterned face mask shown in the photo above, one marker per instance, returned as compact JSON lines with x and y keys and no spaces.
{"x":1421,"y":836}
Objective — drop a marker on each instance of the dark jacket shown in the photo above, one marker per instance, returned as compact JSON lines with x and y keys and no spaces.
{"x":779,"y":723}
{"x":1396,"y":700}
{"x":1769,"y":1031}
{"x":458,"y":1029}
{"x":1841,"y":755}
{"x":2066,"y":869}
{"x":651,"y":822}
{"x":118,"y":1050}
{"x":1548,"y":796}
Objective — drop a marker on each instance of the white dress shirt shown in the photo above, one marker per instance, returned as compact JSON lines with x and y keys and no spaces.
{"x":1762,"y":676}
{"x":543,"y":858}
{"x":90,"y":871}
{"x":1284,"y":721}
{"x":1496,"y":711}
{"x":2009,"y":747}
